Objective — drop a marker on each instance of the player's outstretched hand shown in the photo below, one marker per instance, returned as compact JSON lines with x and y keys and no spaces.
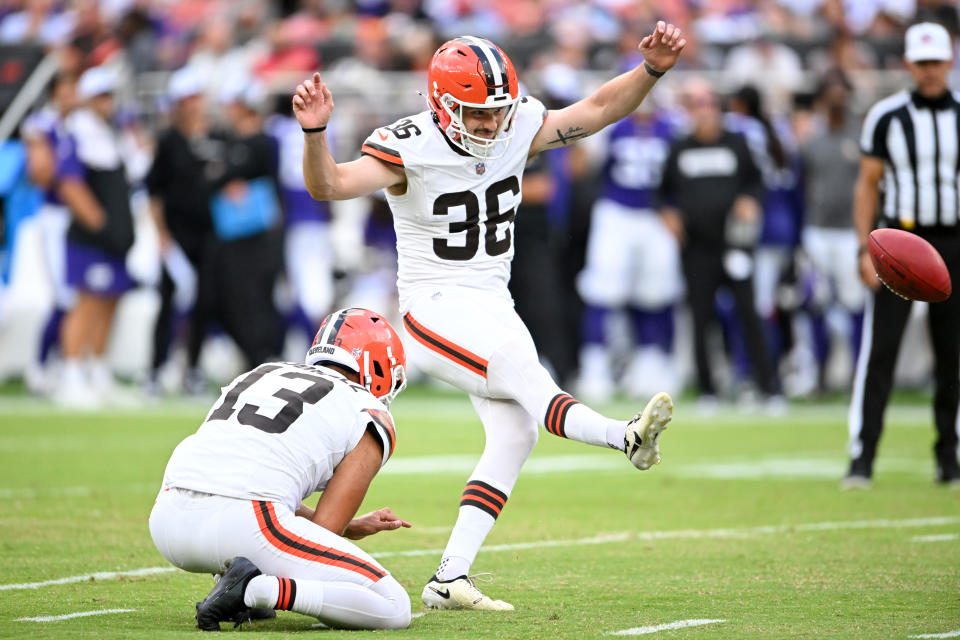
{"x":374,"y":522}
{"x":312,"y":103}
{"x":662,"y":48}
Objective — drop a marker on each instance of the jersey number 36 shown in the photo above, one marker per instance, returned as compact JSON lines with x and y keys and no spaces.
{"x":471,"y":226}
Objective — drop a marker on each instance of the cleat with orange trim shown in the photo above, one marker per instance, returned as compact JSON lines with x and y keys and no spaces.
{"x":459,"y":593}
{"x":642,"y":440}
{"x":225,"y":600}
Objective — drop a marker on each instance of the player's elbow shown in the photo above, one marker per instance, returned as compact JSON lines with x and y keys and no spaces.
{"x":325,"y":192}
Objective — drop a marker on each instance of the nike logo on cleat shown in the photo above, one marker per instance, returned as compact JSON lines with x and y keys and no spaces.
{"x":443,"y":594}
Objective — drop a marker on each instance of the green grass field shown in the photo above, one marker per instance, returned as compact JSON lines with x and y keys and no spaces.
{"x":742,"y":524}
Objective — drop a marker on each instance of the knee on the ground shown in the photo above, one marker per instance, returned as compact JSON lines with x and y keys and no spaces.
{"x":399,"y":617}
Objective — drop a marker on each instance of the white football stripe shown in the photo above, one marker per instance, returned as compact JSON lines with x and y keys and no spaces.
{"x":946,"y":537}
{"x":679,"y":624}
{"x":78,"y":614}
{"x":946,"y":634}
{"x":744,"y":469}
{"x":686,"y":534}
{"x":604,"y":538}
{"x":102,"y":575}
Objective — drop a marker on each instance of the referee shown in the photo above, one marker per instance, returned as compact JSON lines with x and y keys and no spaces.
{"x":911,"y":147}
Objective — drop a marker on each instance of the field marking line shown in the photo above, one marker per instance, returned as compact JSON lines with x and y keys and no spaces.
{"x":100,"y":575}
{"x":763,"y":468}
{"x":542,"y":544}
{"x":604,"y":538}
{"x":679,"y":624}
{"x":948,"y":634}
{"x":682,"y":534}
{"x":943,"y":537}
{"x":78,"y":614}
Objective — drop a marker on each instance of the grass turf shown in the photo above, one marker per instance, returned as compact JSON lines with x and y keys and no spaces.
{"x":743,"y":522}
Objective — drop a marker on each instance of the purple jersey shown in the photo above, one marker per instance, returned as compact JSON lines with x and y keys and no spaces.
{"x":637,"y":150}
{"x":783,"y":201}
{"x":298,"y":205}
{"x":48,"y":124}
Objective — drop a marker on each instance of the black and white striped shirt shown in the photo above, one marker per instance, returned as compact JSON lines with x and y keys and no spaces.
{"x":919,"y":141}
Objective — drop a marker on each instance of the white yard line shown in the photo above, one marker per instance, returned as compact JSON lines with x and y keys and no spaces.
{"x":743,"y":469}
{"x":101,"y":575}
{"x":604,"y":538}
{"x":456,"y":405}
{"x":78,"y":614}
{"x":681,"y":534}
{"x":943,"y":537}
{"x":757,"y":468}
{"x":947,"y":634}
{"x":679,"y":624}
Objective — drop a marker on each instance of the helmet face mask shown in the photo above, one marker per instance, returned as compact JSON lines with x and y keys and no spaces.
{"x":473,"y":73}
{"x":365,"y":343}
{"x":477,"y":146}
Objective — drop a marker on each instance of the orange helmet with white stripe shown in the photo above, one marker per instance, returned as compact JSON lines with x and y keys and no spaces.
{"x":365,"y":343}
{"x":471,"y":72}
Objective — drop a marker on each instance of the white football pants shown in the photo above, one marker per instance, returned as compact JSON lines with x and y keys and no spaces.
{"x":334,"y":580}
{"x":476,"y":341}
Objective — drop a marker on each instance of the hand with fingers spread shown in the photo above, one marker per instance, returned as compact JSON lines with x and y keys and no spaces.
{"x":662,"y":48}
{"x":312,"y":103}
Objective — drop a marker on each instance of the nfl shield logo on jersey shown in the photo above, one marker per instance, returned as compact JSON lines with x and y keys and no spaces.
{"x":481,"y":168}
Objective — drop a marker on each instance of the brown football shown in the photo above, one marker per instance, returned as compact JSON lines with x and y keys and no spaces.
{"x":909,"y":265}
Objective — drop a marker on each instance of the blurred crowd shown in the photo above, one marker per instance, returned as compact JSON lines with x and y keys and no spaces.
{"x":162,"y":156}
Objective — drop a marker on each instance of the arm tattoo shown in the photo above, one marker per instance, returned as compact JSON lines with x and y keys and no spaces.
{"x":572,"y":135}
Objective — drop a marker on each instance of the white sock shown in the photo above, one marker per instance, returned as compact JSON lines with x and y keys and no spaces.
{"x":465,"y":541}
{"x":452,"y":567}
{"x":586,"y":425}
{"x":73,"y":373}
{"x":382,"y":605}
{"x":262,"y":592}
{"x":616,"y":433}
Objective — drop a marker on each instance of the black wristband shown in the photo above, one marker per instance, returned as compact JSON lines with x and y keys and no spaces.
{"x":653,"y":72}
{"x":314,"y":129}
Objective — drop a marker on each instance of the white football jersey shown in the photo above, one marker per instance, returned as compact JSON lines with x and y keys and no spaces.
{"x":454,"y":224}
{"x":277,"y":433}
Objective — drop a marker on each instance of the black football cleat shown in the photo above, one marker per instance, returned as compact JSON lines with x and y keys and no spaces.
{"x":225,"y":600}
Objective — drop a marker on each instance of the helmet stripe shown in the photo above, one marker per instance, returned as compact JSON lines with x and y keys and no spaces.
{"x":492,"y":64}
{"x":503,"y":87}
{"x":333,"y":328}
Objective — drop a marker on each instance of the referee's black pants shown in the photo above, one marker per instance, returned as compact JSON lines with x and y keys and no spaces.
{"x":884,"y":324}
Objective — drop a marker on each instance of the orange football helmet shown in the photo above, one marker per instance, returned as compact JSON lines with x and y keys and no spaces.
{"x":471,"y":72}
{"x":365,"y":343}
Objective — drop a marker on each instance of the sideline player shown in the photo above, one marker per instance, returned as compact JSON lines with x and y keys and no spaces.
{"x":452,"y":179}
{"x":232,"y":492}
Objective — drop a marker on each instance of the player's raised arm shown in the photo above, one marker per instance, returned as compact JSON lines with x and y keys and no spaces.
{"x":616,"y":98}
{"x":325,"y":179}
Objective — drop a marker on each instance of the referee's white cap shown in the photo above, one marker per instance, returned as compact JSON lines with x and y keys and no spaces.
{"x":927,"y":41}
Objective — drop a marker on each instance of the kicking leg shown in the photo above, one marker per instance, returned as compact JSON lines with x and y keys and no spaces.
{"x":514,"y":371}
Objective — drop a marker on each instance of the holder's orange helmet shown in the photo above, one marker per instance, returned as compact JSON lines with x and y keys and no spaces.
{"x":471,"y":72}
{"x":365,"y":343}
